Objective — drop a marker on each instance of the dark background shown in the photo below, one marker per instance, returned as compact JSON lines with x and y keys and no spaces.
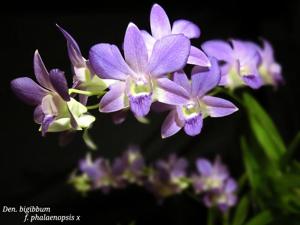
{"x":34,"y":170}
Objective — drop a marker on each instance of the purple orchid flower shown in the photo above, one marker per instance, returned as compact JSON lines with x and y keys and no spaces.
{"x":190,"y":114}
{"x":129,"y":167}
{"x":84,"y":78}
{"x":211,"y":176}
{"x":224,"y":198}
{"x":140,"y":79}
{"x":98,"y":171}
{"x":50,"y":97}
{"x":269,"y":69}
{"x":241,"y":62}
{"x":169,"y":176}
{"x":161,"y":27}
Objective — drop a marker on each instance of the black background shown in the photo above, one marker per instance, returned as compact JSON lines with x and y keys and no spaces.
{"x":34,"y":170}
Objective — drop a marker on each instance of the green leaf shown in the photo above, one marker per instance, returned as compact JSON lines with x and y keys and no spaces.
{"x":241,"y":211}
{"x":292,"y":148}
{"x":262,"y":218}
{"x":251,"y":165}
{"x":88,"y":140}
{"x":264,"y":129}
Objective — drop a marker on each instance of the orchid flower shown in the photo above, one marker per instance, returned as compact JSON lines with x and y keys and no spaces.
{"x":198,"y":106}
{"x":240,"y":60}
{"x":84,"y":78}
{"x":140,"y":79}
{"x":55,"y":110}
{"x":161,"y":27}
{"x":269,"y":69}
{"x":212,"y":175}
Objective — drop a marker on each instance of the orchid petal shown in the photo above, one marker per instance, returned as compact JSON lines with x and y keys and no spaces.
{"x":193,"y":125}
{"x":169,"y":92}
{"x":181,"y":78}
{"x":198,"y":58}
{"x":114,"y":99}
{"x":40,"y":71}
{"x":108,"y":63}
{"x":204,"y":167}
{"x":202,"y":82}
{"x":28,"y":91}
{"x":59,"y":82}
{"x":135,"y":50}
{"x":218,"y":49}
{"x":47,"y":121}
{"x":187,"y":28}
{"x":169,"y":54}
{"x":159,"y":22}
{"x":253,"y":81}
{"x":218,"y":107}
{"x":170,"y":125}
{"x":73,"y":49}
{"x":140,"y":104}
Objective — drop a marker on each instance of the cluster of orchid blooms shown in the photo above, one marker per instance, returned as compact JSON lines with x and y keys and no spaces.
{"x":151,"y":70}
{"x":164,"y":178}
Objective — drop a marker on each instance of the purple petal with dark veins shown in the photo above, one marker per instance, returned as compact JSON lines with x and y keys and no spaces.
{"x":159,"y":22}
{"x":48,"y":119}
{"x":253,"y":81}
{"x":218,"y":107}
{"x":204,"y":167}
{"x":28,"y":91}
{"x":169,"y":54}
{"x":193,"y":125}
{"x":40,"y":71}
{"x":108,"y":63}
{"x":218,"y":49}
{"x":169,"y":92}
{"x":59,"y":82}
{"x":202,"y":82}
{"x":171,"y":125}
{"x":135,"y":50}
{"x":181,"y":78}
{"x":114,"y":99}
{"x":38,"y":114}
{"x":140,"y":105}
{"x":198,"y":58}
{"x":73,"y":49}
{"x":187,"y":28}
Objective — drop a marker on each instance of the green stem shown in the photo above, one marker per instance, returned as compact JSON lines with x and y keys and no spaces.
{"x":210,"y":217}
{"x":77,"y":91}
{"x":96,"y":106}
{"x":225,"y":218}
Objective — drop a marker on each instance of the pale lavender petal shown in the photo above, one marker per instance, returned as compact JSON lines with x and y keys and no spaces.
{"x":140,"y":104}
{"x":135,"y":50}
{"x":198,"y":58}
{"x":187,"y":28}
{"x":159,"y":22}
{"x":40,"y":71}
{"x":149,"y":41}
{"x":169,"y":54}
{"x":253,"y":81}
{"x":204,"y":167}
{"x":181,"y":78}
{"x":202,"y":82}
{"x":218,"y":49}
{"x":114,"y":99}
{"x":73,"y":49}
{"x":108,"y":63}
{"x":48,"y":119}
{"x":267,"y":52}
{"x":244,"y":51}
{"x":230,"y":186}
{"x":59,"y":82}
{"x":193,"y":125}
{"x":38,"y":114}
{"x":171,"y":125}
{"x":169,"y":92}
{"x":218,"y":107}
{"x":28,"y":91}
